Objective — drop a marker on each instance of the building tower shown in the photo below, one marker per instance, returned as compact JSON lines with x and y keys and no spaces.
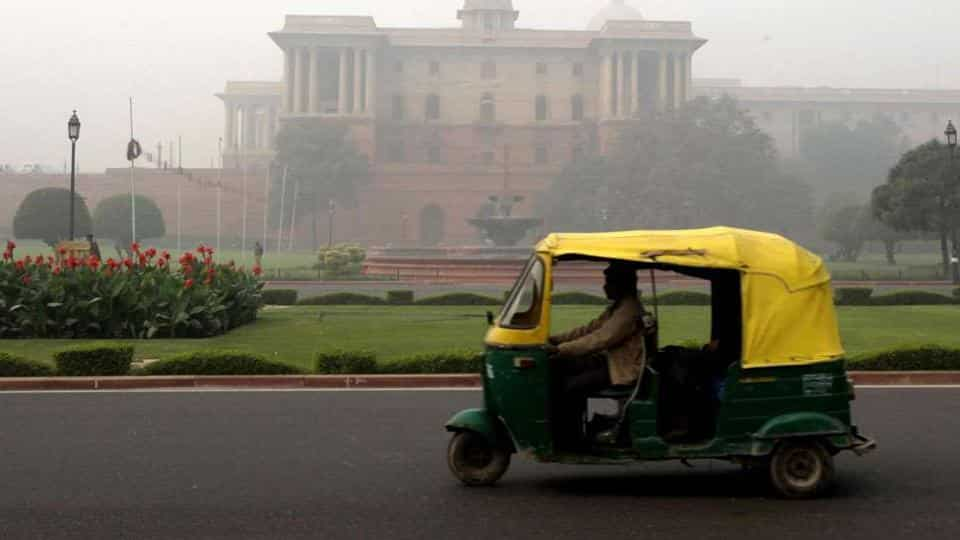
{"x":488,"y":16}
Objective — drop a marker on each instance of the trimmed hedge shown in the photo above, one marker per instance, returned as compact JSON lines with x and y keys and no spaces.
{"x":924,"y":358}
{"x":683,"y":298}
{"x":14,"y":366}
{"x":98,"y":359}
{"x":459,"y":299}
{"x":278,"y":297}
{"x":400,"y":298}
{"x":342,"y":299}
{"x":911,"y":298}
{"x":956,"y":294}
{"x":345,"y":362}
{"x":214,"y":362}
{"x":852,"y":296}
{"x":442,"y":362}
{"x":578,"y":299}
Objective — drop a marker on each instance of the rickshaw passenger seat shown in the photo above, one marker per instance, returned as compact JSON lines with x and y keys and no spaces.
{"x":614,"y":392}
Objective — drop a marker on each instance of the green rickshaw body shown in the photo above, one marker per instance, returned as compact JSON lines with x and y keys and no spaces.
{"x":788,"y":381}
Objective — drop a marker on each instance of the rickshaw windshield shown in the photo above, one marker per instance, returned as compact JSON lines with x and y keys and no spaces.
{"x":524,"y":306}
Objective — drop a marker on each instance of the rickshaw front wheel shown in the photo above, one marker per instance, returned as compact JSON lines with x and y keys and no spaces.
{"x":474,"y":461}
{"x":801,"y":469}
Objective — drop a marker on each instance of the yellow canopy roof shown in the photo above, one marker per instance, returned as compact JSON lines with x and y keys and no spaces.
{"x":788,"y":312}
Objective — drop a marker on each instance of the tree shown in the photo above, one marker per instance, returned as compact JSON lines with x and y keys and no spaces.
{"x":111,"y":219}
{"x":921,"y":196}
{"x":706,"y":164}
{"x":847,"y":227}
{"x":44,"y":214}
{"x":322,"y":161}
{"x":837,"y":157}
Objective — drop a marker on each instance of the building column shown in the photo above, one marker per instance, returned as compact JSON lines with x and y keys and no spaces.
{"x":271,"y":126}
{"x":637,"y":69}
{"x":300,"y":74}
{"x":229,"y":128}
{"x":688,"y":79}
{"x":371,"y":93}
{"x":289,"y":79}
{"x":615,"y":86}
{"x":626,"y":77}
{"x":678,"y":80}
{"x":358,"y":87}
{"x":662,"y":81}
{"x":249,"y":126}
{"x":606,"y":82}
{"x":313,"y":90}
{"x":344,"y":86}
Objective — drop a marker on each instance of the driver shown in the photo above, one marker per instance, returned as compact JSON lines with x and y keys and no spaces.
{"x":610,"y":349}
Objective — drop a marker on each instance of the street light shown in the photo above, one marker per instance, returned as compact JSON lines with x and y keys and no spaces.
{"x":73,"y":132}
{"x":951,"y":133}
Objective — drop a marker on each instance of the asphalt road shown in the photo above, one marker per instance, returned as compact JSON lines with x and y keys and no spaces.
{"x":371,"y":465}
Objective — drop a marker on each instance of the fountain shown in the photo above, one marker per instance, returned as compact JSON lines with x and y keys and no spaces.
{"x":499,"y":226}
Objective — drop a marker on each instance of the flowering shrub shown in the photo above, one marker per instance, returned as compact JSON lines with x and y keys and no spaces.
{"x":340,"y":260}
{"x":144,"y":296}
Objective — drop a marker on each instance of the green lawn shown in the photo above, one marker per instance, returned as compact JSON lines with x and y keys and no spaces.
{"x":293,"y":334}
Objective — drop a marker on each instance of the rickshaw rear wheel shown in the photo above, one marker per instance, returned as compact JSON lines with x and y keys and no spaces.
{"x":801,"y":469}
{"x":474,"y":461}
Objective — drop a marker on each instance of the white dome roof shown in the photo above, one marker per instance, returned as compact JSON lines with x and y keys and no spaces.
{"x":616,"y":10}
{"x":491,"y":5}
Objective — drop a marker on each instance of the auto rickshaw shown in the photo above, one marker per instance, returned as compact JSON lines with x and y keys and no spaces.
{"x":783,"y":405}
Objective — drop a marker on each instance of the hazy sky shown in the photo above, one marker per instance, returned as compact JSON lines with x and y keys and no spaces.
{"x":172,"y":56}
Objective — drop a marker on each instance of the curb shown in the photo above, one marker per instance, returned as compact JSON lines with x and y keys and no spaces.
{"x":361,"y":382}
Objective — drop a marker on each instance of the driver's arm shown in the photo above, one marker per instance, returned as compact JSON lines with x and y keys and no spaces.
{"x":579,"y":332}
{"x":620,"y":325}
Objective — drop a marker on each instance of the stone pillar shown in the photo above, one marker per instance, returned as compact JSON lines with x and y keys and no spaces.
{"x":614,"y":86}
{"x":606,"y":82}
{"x":662,"y":81}
{"x":358,"y":88}
{"x":300,"y":74}
{"x":271,"y":126}
{"x":625,"y":78}
{"x":289,"y":79}
{"x":371,"y":93}
{"x":678,"y":83}
{"x":637,"y":81}
{"x":688,"y":79}
{"x":249,"y":126}
{"x":229,"y":127}
{"x":313,"y":90}
{"x":342,"y":98}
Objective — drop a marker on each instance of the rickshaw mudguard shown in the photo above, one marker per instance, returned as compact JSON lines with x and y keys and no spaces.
{"x":803,"y":424}
{"x":481,"y":422}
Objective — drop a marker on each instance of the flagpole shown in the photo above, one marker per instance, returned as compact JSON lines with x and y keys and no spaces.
{"x":219,"y":190}
{"x":266,"y":205}
{"x":179,"y":211}
{"x":133,"y":189}
{"x":283,"y":198}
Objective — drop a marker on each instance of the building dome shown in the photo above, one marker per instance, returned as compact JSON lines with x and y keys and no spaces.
{"x":489,"y":5}
{"x":616,"y":10}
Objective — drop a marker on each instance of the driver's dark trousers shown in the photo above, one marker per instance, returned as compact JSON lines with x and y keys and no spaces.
{"x":581,"y":377}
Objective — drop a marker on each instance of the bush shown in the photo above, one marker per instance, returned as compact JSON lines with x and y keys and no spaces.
{"x":444,"y":362}
{"x":278,"y":297}
{"x":956,"y":294}
{"x":345,"y":362}
{"x":140,"y":297}
{"x":852,"y":296}
{"x":44,"y":215}
{"x":97,"y":359}
{"x":578,"y":299}
{"x":928,"y":358}
{"x":342,"y":299}
{"x":14,"y":366}
{"x":111,"y":219}
{"x":215,"y":362}
{"x":340,"y":260}
{"x":400,"y":298}
{"x":911,"y":298}
{"x":683,"y":298}
{"x":458,"y":299}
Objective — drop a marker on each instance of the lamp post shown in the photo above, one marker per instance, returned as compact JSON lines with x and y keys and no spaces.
{"x":73,"y":132}
{"x":332,"y":207}
{"x":950,"y":184}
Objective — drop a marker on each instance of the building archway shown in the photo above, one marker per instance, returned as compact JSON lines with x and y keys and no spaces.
{"x":432,"y":225}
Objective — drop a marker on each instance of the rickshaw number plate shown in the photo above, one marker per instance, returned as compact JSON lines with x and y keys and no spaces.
{"x":817,"y":384}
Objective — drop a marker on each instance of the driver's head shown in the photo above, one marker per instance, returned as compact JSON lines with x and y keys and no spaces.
{"x":620,"y":281}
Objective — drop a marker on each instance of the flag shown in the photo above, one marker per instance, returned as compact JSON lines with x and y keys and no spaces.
{"x":133,"y":150}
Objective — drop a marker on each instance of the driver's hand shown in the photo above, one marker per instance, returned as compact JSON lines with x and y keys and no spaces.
{"x":551,"y":350}
{"x":554,"y":340}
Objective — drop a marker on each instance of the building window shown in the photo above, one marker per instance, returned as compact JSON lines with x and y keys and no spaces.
{"x":576,"y":108}
{"x":488,"y":70}
{"x":488,"y":111}
{"x":767,"y":116}
{"x":578,"y":69}
{"x":541,"y":68}
{"x":435,"y":153}
{"x":434,"y":67}
{"x":432,"y":107}
{"x":396,"y":152}
{"x":541,"y":108}
{"x":399,"y":108}
{"x":398,"y":66}
{"x":540,"y":155}
{"x":486,"y":157}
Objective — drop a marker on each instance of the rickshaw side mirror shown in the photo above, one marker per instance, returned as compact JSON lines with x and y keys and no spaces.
{"x":489,"y":318}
